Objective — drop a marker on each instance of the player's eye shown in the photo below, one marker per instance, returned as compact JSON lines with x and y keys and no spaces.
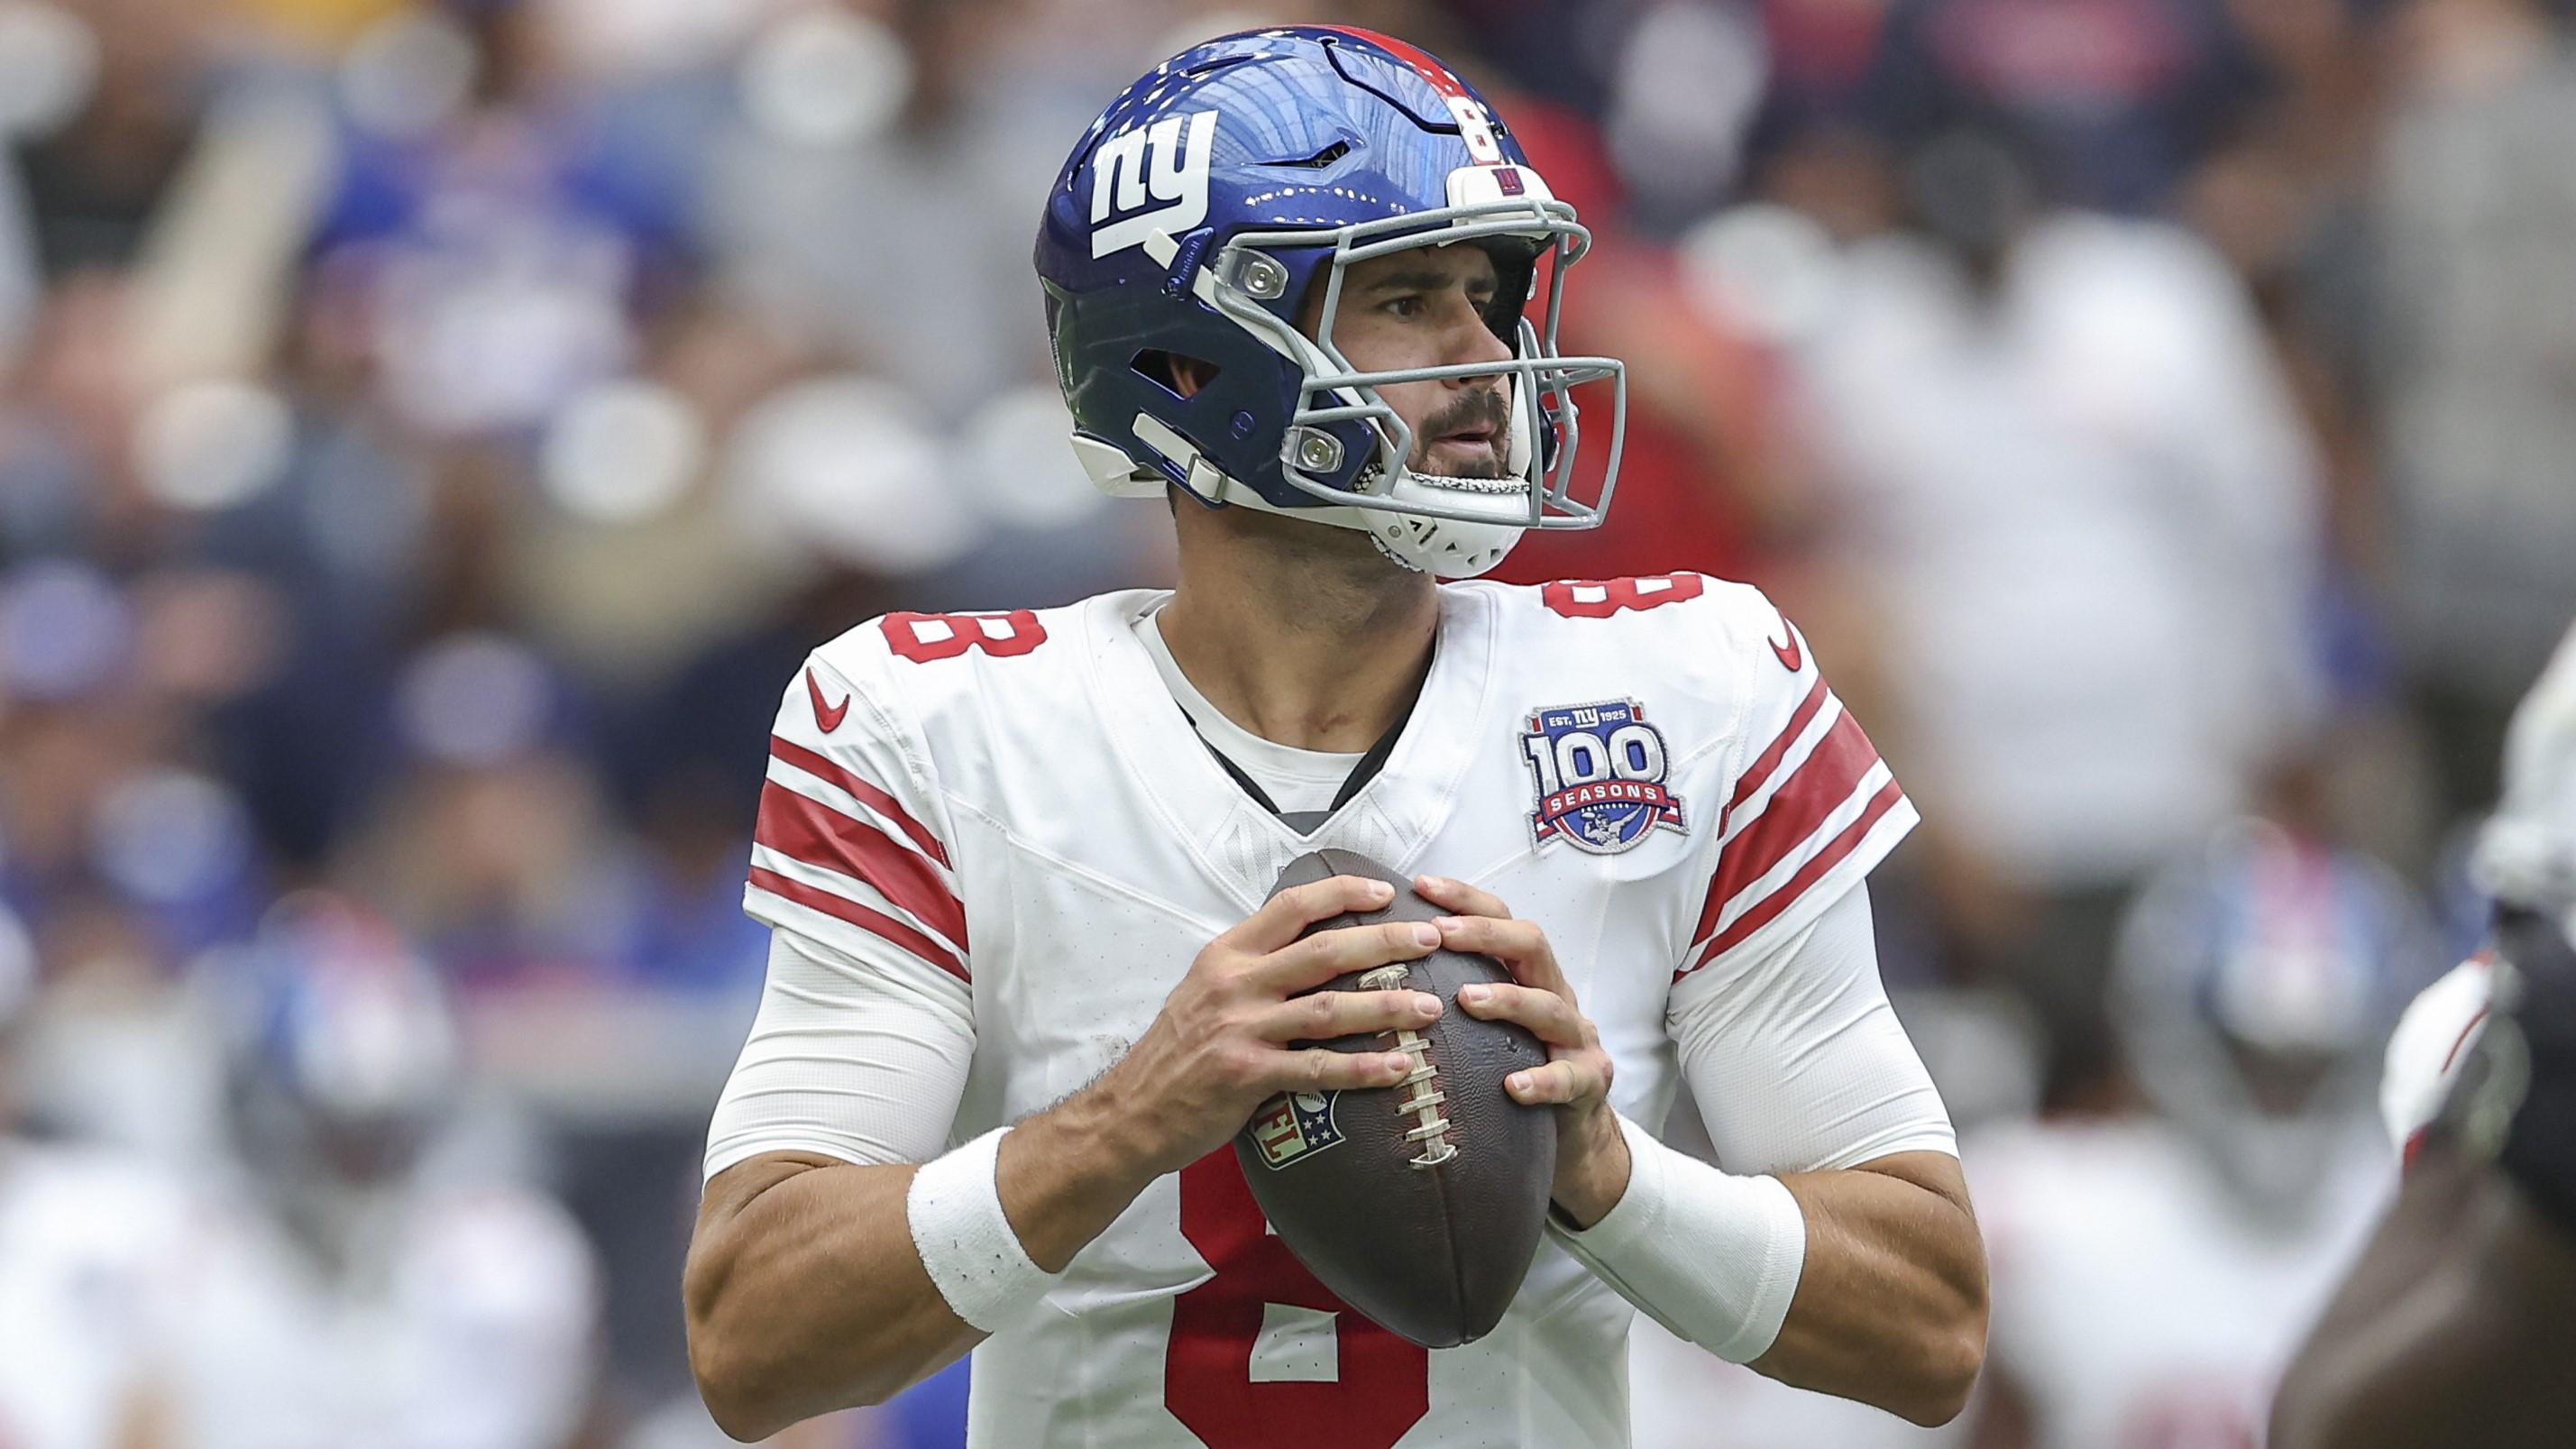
{"x":1409,"y":304}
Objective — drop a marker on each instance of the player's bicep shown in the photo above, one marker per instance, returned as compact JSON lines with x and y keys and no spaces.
{"x":855,"y":1056}
{"x":1795,"y":1059}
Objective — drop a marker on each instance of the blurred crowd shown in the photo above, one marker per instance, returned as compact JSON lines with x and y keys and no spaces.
{"x":432,"y":433}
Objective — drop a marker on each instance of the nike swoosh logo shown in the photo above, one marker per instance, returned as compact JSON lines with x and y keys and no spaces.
{"x":828,"y":716}
{"x":1792,"y":656}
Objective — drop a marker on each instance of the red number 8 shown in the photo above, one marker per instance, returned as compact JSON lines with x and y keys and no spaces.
{"x":1384,"y":1386}
{"x":923,"y":638}
{"x":1601,"y":598}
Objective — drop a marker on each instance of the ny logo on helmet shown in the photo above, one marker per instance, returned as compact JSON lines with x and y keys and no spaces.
{"x":1159,"y":159}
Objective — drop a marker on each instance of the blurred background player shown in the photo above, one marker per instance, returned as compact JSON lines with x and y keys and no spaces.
{"x":2455,"y":1327}
{"x":88,"y":1246}
{"x":342,"y":1284}
{"x":2155,"y":1268}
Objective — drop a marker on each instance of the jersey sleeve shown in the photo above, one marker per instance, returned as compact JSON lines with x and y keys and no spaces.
{"x":866,"y":1026}
{"x":860,"y":1058}
{"x":1809,"y":807}
{"x":851,"y":846}
{"x":1795,"y":1059}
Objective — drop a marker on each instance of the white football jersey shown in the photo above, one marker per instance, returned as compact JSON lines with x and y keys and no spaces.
{"x":1010,"y":813}
{"x":86,"y":1247}
{"x":2137,"y":1303}
{"x":464,"y":1319}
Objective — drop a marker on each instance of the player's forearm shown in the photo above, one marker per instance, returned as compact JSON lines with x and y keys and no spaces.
{"x":1067,"y":1173}
{"x":1891,"y":1304}
{"x":806,"y":1292}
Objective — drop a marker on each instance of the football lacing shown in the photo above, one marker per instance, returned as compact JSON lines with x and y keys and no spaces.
{"x":1424,"y":1098}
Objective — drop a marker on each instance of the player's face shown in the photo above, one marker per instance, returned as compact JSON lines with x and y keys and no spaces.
{"x":1426,"y":308}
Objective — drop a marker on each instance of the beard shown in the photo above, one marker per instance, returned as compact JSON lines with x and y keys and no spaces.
{"x":1487,"y":407}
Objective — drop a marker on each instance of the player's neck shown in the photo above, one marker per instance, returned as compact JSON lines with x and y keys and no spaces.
{"x":1314,"y":648}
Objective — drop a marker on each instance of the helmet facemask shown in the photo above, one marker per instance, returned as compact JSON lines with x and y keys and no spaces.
{"x":1345,"y":445}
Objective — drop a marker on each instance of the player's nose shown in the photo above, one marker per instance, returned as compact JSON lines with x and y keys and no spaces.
{"x":1470,"y":340}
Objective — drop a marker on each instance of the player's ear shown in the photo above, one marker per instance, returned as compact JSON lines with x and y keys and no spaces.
{"x":1185,"y":376}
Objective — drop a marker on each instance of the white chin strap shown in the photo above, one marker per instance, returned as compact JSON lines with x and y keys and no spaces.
{"x":1456,"y":548}
{"x":1446,"y":548}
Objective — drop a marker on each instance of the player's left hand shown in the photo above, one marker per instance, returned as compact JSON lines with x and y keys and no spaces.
{"x":1591,"y":1155}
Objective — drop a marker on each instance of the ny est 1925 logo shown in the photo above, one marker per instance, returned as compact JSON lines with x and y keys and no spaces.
{"x":1166,"y":161}
{"x":1598,"y":771}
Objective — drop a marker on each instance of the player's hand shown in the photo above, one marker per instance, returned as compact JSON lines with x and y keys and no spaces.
{"x":1221,"y":1045}
{"x":1591,"y":1155}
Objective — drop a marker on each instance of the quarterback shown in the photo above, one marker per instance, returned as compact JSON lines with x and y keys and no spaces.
{"x":1027,"y":977}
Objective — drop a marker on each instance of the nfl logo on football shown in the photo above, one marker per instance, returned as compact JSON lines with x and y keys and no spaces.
{"x":1294,"y":1124}
{"x":1599,"y":773}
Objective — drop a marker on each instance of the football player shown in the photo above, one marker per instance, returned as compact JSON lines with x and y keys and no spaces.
{"x":341,"y":1288}
{"x":2154,"y":1271}
{"x":1027,"y":980}
{"x":2459,"y":1323}
{"x":86,"y":1246}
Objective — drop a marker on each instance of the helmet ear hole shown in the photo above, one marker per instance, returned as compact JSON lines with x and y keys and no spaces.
{"x":1176,"y":373}
{"x":1515,"y":280}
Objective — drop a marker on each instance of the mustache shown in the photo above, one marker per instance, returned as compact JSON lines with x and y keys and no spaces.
{"x":1481,"y":407}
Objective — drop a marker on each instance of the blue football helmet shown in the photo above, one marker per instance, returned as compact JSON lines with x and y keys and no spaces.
{"x":1198,"y":216}
{"x":2253,"y":986}
{"x":343,"y":1048}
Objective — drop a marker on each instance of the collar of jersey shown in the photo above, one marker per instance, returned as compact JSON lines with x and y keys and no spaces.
{"x":1203,"y":805}
{"x":1264,"y":759}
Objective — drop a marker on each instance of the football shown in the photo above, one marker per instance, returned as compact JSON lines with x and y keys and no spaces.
{"x":1420,"y":1205}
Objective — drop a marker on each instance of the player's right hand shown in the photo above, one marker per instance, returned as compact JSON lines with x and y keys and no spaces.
{"x":1221,"y":1045}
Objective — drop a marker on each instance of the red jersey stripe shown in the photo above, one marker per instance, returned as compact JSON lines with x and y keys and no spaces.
{"x":809,"y":831}
{"x":2462,"y":1040}
{"x":875,"y":923}
{"x":1757,"y":774}
{"x":873,"y":797}
{"x":1824,"y":780}
{"x":1752,"y":779}
{"x":1780,"y":900}
{"x":1831,"y":772}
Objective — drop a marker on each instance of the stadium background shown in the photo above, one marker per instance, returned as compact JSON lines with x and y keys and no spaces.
{"x":431,"y":435}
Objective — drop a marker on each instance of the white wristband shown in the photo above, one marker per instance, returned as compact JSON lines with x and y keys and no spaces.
{"x":966,"y":1243}
{"x":1714,"y":1258}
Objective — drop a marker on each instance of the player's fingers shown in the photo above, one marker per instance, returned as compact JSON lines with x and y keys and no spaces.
{"x":1505,"y":940}
{"x":1520,"y":945}
{"x":1567,"y":1079}
{"x":1284,"y":915}
{"x":1549,"y":1017}
{"x":1329,"y":1014}
{"x":1457,"y":895}
{"x":1322,"y":1069}
{"x":1327,"y":954}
